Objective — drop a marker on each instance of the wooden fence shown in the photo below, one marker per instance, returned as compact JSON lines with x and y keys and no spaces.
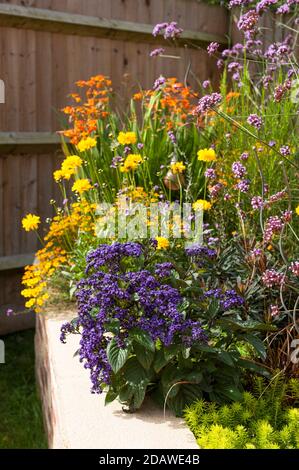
{"x":46,"y":45}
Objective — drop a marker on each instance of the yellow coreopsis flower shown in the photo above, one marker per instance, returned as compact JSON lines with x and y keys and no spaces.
{"x":82,"y":185}
{"x":202,"y":204}
{"x":127,"y":138}
{"x":131,"y":163}
{"x":30,"y":222}
{"x":177,"y":167}
{"x":86,"y":144}
{"x":58,"y":175}
{"x":72,"y":162}
{"x":162,"y":243}
{"x":206,"y":155}
{"x":297,"y":210}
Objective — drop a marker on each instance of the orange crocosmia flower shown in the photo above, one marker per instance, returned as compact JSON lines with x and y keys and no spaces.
{"x":230,"y":95}
{"x":137,"y":96}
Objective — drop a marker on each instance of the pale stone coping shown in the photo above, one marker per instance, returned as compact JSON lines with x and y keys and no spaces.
{"x":77,"y":419}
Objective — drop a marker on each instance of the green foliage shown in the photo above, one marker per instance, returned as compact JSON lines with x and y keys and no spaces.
{"x":21,"y":424}
{"x":262,"y":420}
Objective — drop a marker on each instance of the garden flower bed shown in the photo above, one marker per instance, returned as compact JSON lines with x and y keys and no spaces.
{"x":178,"y":237}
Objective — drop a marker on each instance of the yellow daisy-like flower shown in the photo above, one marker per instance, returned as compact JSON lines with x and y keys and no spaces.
{"x":86,"y":144}
{"x":207,"y":155}
{"x":177,"y":167}
{"x":58,"y":175}
{"x":131,"y":163}
{"x":127,"y":138}
{"x":162,"y":243}
{"x":30,"y":222}
{"x":297,"y":210}
{"x":80,"y":186}
{"x":202,"y":204}
{"x":72,"y":162}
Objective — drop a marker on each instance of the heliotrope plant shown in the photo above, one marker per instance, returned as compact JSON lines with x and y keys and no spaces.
{"x":152,"y":326}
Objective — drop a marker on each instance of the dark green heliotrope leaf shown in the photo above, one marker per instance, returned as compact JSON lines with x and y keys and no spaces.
{"x":143,"y":338}
{"x":144,"y":356}
{"x":257,"y":343}
{"x":226,"y":357}
{"x":134,"y":373}
{"x":160,"y":360}
{"x":254,"y":367}
{"x":248,"y":325}
{"x":231,"y":392}
{"x":125,"y":393}
{"x":139,"y":392}
{"x":110,"y":396}
{"x":117,"y":356}
{"x":187,"y":394}
{"x":172,"y":351}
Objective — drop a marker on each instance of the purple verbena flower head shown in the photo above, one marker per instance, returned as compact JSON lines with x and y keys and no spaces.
{"x":255,"y":121}
{"x":212,"y":48}
{"x":244,"y":156}
{"x":243,"y":185}
{"x":238,"y":170}
{"x":210,"y":173}
{"x":248,"y":21}
{"x":169,"y":30}
{"x":157,"y":52}
{"x":206,"y":84}
{"x":159,"y":83}
{"x":257,"y":202}
{"x":263,"y":5}
{"x":207,"y":102}
{"x":285,"y":150}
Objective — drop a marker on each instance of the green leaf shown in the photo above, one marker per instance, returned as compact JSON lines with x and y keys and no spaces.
{"x":134,"y":373}
{"x":144,"y":356}
{"x":112,"y":326}
{"x":205,"y":348}
{"x":254,"y":367}
{"x":248,"y":325}
{"x":195,"y":377}
{"x":125,"y":393}
{"x":172,"y":351}
{"x":139,"y":395}
{"x":143,"y":338}
{"x":231,"y":391}
{"x":187,"y":394}
{"x":110,"y":396}
{"x":160,"y":360}
{"x":117,"y":356}
{"x":170,"y":376}
{"x":225,"y":357}
{"x":257,"y":343}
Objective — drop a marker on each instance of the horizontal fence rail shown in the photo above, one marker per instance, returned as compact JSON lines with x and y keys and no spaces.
{"x":39,"y":19}
{"x":25,"y":141}
{"x":16,"y":261}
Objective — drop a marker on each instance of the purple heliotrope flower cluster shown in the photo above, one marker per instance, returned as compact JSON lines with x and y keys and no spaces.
{"x":228,"y":300}
{"x":114,"y":292}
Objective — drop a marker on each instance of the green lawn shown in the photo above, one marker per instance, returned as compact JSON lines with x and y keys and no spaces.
{"x":21,"y":423}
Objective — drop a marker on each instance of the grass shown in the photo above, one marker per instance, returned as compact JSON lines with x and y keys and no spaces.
{"x":21,"y":425}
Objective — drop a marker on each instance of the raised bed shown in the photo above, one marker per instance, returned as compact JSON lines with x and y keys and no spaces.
{"x":76,"y":419}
